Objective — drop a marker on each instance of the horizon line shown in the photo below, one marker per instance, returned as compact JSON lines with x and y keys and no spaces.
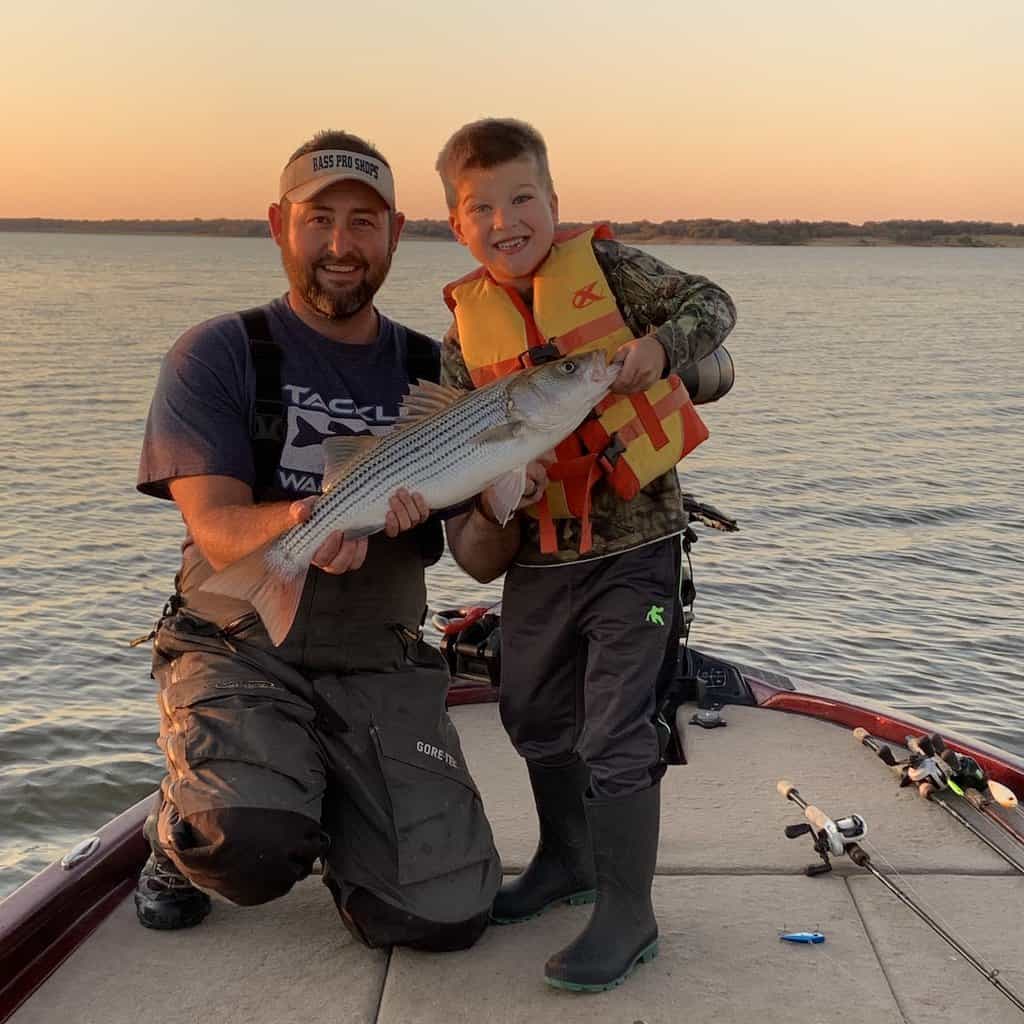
{"x":600,"y":220}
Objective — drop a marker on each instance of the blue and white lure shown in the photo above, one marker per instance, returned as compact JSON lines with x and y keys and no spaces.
{"x":805,"y":937}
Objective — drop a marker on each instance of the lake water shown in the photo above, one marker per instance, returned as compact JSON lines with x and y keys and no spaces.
{"x":871,"y":450}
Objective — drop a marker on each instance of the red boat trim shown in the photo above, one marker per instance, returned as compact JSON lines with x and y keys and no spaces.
{"x":888,"y":726}
{"x":45,"y":920}
{"x":471,"y":693}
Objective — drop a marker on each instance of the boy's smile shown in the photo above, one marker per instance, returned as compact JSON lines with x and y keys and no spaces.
{"x":506,"y":216}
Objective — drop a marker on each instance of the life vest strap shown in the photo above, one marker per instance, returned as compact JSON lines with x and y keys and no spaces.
{"x":555,"y":348}
{"x":649,"y":419}
{"x":590,"y":332}
{"x":583,"y":471}
{"x":546,"y":522}
{"x":487,"y":374}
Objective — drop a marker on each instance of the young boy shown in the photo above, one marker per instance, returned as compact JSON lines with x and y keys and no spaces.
{"x":592,"y":578}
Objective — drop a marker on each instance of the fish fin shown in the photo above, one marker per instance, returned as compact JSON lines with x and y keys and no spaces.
{"x":274,"y":596}
{"x":340,"y":453}
{"x":502,"y":432}
{"x":425,"y":399}
{"x":506,"y":493}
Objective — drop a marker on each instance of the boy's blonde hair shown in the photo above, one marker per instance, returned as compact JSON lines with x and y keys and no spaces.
{"x":487,"y":143}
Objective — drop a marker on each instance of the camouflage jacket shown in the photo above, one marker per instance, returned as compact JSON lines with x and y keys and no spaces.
{"x":691,"y":317}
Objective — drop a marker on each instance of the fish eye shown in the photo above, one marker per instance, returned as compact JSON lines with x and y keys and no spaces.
{"x":569,"y":366}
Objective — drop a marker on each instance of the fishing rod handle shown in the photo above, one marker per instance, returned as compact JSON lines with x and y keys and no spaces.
{"x":818,"y":818}
{"x":1003,"y":795}
{"x":788,"y":791}
{"x":869,"y":741}
{"x":875,"y":746}
{"x":914,"y":746}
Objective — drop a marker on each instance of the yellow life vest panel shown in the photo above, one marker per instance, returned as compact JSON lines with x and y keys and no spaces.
{"x":633,"y":439}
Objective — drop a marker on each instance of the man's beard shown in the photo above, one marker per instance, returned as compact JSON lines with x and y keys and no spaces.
{"x":334,"y":303}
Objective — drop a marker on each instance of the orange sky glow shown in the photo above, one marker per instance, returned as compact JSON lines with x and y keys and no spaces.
{"x":804,"y":110}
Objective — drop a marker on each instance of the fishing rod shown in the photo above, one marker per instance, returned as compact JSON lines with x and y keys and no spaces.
{"x":931,"y":775}
{"x":841,"y":836}
{"x":978,"y":789}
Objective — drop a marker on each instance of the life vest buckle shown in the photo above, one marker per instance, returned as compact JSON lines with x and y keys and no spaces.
{"x":610,"y":455}
{"x":537,"y":354}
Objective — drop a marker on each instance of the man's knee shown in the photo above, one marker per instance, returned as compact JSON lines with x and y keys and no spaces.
{"x":376,"y":923}
{"x":248,"y":855}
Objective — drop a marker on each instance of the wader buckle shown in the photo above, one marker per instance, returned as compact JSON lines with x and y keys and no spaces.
{"x":171,"y":607}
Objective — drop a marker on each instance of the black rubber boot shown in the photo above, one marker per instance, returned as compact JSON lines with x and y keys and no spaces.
{"x":164,"y":898}
{"x":622,"y":931}
{"x":562,"y":869}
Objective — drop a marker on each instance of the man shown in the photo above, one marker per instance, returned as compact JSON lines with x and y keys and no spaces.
{"x":336,"y":744}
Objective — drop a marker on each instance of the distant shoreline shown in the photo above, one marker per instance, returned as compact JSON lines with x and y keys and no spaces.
{"x":705,"y":231}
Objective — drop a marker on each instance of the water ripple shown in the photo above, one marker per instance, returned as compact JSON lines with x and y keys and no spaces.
{"x":870,"y":450}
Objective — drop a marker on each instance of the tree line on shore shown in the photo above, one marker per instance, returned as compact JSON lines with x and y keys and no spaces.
{"x":704,"y":229}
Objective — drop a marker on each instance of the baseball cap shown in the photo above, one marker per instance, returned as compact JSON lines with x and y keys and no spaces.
{"x":311,"y":173}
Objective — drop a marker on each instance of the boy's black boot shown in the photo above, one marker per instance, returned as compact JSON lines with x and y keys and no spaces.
{"x":562,"y":869}
{"x":164,"y":898}
{"x":622,"y":931}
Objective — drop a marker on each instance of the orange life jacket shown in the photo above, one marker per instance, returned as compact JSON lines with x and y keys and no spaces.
{"x":632,"y":439}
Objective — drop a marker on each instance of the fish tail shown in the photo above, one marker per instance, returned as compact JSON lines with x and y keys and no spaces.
{"x":274,"y":594}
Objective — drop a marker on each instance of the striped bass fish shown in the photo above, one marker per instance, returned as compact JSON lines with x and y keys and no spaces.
{"x":448,"y":444}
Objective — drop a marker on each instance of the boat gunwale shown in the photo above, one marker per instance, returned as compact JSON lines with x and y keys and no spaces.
{"x":882,"y":722}
{"x":45,"y":920}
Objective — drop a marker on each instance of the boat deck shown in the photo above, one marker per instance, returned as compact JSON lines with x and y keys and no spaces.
{"x":728,"y":882}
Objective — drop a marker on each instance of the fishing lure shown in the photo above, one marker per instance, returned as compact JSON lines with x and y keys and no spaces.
{"x":806,"y":937}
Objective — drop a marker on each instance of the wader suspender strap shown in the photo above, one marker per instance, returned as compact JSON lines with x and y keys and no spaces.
{"x":268,"y":421}
{"x":422,"y":358}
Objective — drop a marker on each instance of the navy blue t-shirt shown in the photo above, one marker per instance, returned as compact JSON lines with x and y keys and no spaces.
{"x":201,"y":417}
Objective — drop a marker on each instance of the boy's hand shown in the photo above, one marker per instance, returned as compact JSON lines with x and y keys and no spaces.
{"x":643,"y":362}
{"x":536,"y":485}
{"x":536,"y":479}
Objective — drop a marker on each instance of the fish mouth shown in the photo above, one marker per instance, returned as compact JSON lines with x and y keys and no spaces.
{"x":602,"y":372}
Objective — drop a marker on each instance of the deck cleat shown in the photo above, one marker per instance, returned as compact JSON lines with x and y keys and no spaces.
{"x":709,"y":718}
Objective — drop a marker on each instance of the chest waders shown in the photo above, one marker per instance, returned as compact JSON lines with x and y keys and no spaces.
{"x":337,"y":744}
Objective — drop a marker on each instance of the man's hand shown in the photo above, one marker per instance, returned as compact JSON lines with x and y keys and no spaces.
{"x":337,"y":555}
{"x":407,"y":510}
{"x":643,"y":361}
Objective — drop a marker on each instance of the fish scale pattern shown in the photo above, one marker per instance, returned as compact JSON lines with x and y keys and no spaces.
{"x":429,"y":450}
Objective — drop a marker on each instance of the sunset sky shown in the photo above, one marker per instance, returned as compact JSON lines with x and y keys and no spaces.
{"x":656,"y":109}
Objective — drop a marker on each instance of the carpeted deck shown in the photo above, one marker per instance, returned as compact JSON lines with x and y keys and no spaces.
{"x":728,"y":883}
